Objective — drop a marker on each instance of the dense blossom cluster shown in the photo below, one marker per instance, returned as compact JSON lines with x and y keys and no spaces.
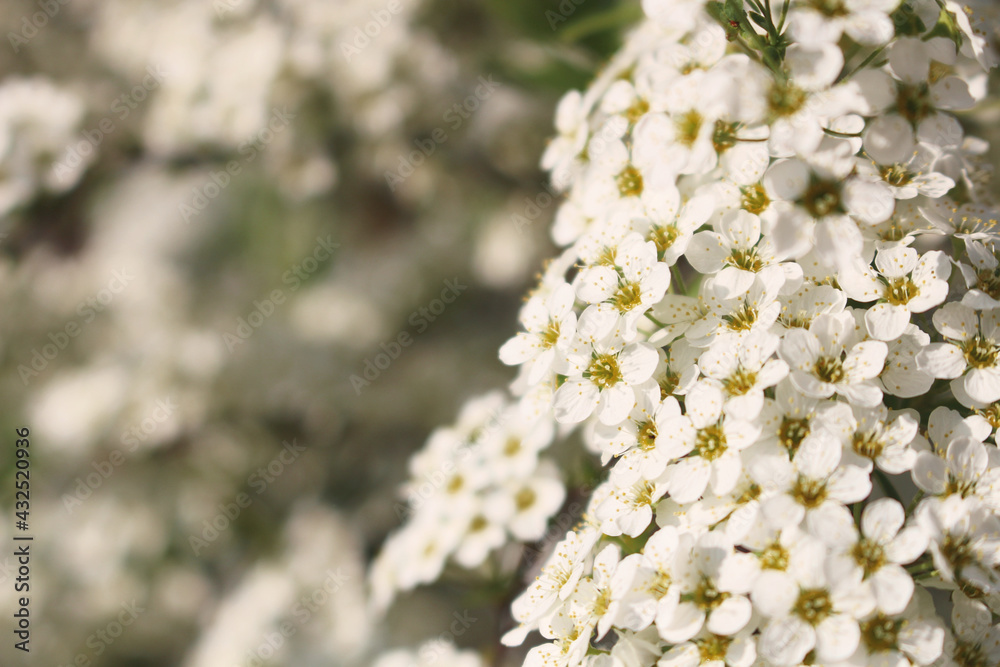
{"x":803,"y":465}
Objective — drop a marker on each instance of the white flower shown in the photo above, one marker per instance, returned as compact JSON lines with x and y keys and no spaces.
{"x":975,"y":43}
{"x":483,"y":533}
{"x":707,"y":443}
{"x":550,"y":324}
{"x":555,"y":582}
{"x":525,"y":506}
{"x":603,"y":377}
{"x":920,"y":97}
{"x":807,"y":610}
{"x":681,"y":370}
{"x":643,"y":580}
{"x":903,"y":283}
{"x":976,"y":639}
{"x":709,"y":591}
{"x":911,"y":639}
{"x":561,"y":155}
{"x":512,"y":451}
{"x":736,"y":253}
{"x":739,"y":650}
{"x":880,"y":440}
{"x":970,"y":357}
{"x":878,"y":553}
{"x":791,"y":417}
{"x":728,"y":320}
{"x":965,"y":541}
{"x":743,"y":372}
{"x":911,"y":175}
{"x":968,"y":468}
{"x":622,"y":291}
{"x":982,"y":278}
{"x":968,"y":221}
{"x":902,"y":376}
{"x":571,"y":638}
{"x":592,"y":604}
{"x":635,"y":441}
{"x":798,"y":310}
{"x":826,"y":359}
{"x":794,"y":489}
{"x":629,"y":508}
{"x":671,"y":229}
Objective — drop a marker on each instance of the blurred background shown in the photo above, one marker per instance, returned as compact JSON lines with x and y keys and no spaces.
{"x":251,"y":253}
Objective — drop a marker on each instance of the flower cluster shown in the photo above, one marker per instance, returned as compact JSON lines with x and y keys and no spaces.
{"x":790,"y":476}
{"x":37,"y":120}
{"x":474,"y":487}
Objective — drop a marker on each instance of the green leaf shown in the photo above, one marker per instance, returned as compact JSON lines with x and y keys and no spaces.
{"x":717,"y":11}
{"x":760,"y":20}
{"x":735,"y":11}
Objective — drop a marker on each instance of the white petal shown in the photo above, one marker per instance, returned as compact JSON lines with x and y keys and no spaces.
{"x":837,"y":638}
{"x":774,"y":593}
{"x":930,"y":473}
{"x":683,"y":624}
{"x":597,"y":283}
{"x":941,"y":360}
{"x":893,"y":588}
{"x":882,"y":519}
{"x":786,"y":641}
{"x":909,"y":545}
{"x":886,"y":322}
{"x":707,"y":252}
{"x":637,"y":362}
{"x":814,"y":67}
{"x":889,"y":139}
{"x":869,"y":201}
{"x":924,"y":641}
{"x":896,"y":261}
{"x":597,"y":321}
{"x":955,"y":321}
{"x":849,"y":484}
{"x":731,"y":616}
{"x":574,"y":401}
{"x":615,"y":404}
{"x":519,"y":349}
{"x":983,"y":384}
{"x":688,"y":479}
{"x":787,"y":179}
{"x":865,"y":360}
{"x":799,"y":349}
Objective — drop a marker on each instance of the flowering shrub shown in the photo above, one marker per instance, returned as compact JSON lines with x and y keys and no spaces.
{"x":775,"y":319}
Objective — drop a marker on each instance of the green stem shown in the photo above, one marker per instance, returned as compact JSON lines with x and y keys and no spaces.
{"x":864,"y":63}
{"x":678,"y":278}
{"x":655,"y":321}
